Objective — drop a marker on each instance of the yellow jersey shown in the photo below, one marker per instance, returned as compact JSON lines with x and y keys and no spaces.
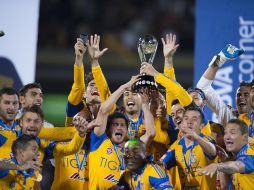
{"x":245,"y":181}
{"x":69,"y":176}
{"x":151,"y":176}
{"x":248,"y":118}
{"x":106,"y":161}
{"x":188,"y":160}
{"x":15,"y":179}
{"x":7,"y":137}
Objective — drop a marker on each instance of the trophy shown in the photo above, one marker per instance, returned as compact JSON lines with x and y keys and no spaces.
{"x":147,"y":47}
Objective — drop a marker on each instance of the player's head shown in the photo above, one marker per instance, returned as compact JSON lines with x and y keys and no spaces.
{"x":236,"y":135}
{"x":131,"y":101}
{"x":31,"y":120}
{"x":198,"y":97}
{"x":31,"y":94}
{"x":25,"y":148}
{"x":158,"y":106}
{"x":134,"y":154}
{"x":177,"y":113}
{"x":251,"y":98}
{"x":217,"y":133}
{"x":193,"y":120}
{"x":91,"y":93}
{"x":117,"y":127}
{"x":9,"y":104}
{"x":242,"y":96}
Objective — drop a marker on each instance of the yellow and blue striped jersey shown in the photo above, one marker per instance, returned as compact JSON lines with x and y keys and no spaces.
{"x":188,"y":160}
{"x":151,"y":176}
{"x":245,"y":181}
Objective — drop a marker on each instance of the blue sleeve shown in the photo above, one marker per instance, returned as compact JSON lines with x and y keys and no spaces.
{"x":49,"y":151}
{"x":3,"y":139}
{"x":170,"y":159}
{"x":160,"y":183}
{"x":72,"y":110}
{"x":3,"y":173}
{"x":248,"y":161}
{"x":96,"y":141}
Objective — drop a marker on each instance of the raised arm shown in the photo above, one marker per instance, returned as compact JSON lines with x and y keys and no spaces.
{"x":95,"y":54}
{"x":169,"y":49}
{"x":7,"y":164}
{"x":108,"y":104}
{"x":214,"y":101}
{"x":148,"y":119}
{"x":75,"y":97}
{"x":207,"y":147}
{"x":179,"y":92}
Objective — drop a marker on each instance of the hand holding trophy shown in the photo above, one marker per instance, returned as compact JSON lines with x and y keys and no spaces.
{"x":147,"y":48}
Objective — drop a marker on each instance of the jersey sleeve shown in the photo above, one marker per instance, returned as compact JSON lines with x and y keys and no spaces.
{"x":161,"y":135}
{"x":248,"y":161}
{"x":57,"y":133}
{"x":75,"y":103}
{"x":102,"y":85}
{"x":178,"y":91}
{"x":60,"y":149}
{"x":158,"y":178}
{"x":96,"y":141}
{"x":78,"y":87}
{"x":214,"y":102}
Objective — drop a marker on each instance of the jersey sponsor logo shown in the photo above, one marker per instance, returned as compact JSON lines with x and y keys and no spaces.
{"x":109,"y":150}
{"x":70,"y":162}
{"x":110,"y":164}
{"x":76,"y":175}
{"x":110,"y":177}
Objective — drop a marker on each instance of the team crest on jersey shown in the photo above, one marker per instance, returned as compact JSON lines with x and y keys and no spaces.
{"x":110,"y":177}
{"x":109,"y":150}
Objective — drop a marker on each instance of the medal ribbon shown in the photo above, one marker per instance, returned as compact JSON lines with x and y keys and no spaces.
{"x":81,"y":166}
{"x":8,"y":127}
{"x":120,"y":158}
{"x":251,"y":116}
{"x":134,"y":126}
{"x":188,"y":165}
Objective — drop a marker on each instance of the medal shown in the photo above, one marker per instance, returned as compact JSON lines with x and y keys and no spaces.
{"x":39,"y":177}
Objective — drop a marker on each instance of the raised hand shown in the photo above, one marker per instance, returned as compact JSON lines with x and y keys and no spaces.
{"x":209,"y":170}
{"x":169,"y":45}
{"x":133,"y":80}
{"x":81,"y":124}
{"x":93,"y":47}
{"x":30,"y":165}
{"x":221,"y":153}
{"x":190,"y":134}
{"x":148,"y":69}
{"x":80,"y":49}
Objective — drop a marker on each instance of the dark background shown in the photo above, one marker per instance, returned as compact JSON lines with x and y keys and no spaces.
{"x":120,"y":24}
